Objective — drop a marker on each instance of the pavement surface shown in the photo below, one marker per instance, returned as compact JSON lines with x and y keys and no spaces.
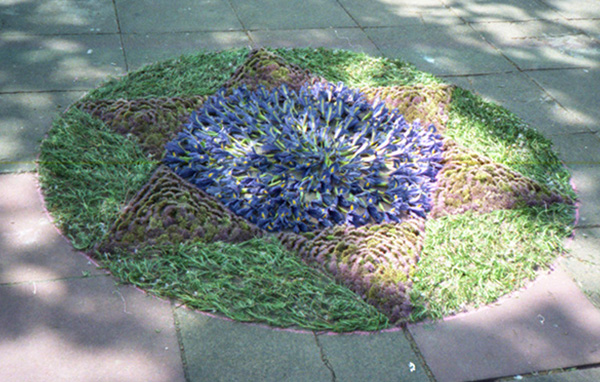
{"x":63,"y":319}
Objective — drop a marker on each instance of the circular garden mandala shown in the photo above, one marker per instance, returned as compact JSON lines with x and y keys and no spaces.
{"x":319,"y":189}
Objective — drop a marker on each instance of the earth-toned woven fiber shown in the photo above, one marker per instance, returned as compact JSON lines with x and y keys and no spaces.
{"x":169,"y":210}
{"x":376,"y":261}
{"x":427,"y":103}
{"x":154,"y":121}
{"x":471,"y":181}
{"x":269,"y":70}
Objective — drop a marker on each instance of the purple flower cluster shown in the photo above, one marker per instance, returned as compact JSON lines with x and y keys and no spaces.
{"x":310,"y":159}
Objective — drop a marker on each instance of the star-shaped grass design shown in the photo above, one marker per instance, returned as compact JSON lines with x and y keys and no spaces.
{"x":378,"y":260}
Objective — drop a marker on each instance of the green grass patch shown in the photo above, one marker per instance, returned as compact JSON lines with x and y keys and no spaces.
{"x":473,"y":259}
{"x":356,"y":69}
{"x":198,"y":74}
{"x":256,"y":281}
{"x":88,"y":172}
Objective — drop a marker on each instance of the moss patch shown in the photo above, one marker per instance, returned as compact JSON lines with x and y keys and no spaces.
{"x":427,"y":103}
{"x":265,"y":68}
{"x":470,"y":181}
{"x":153,"y":121}
{"x":169,"y":210}
{"x":376,"y":262}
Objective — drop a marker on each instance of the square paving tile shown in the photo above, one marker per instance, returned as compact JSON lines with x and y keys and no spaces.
{"x":506,"y":10}
{"x":580,"y":9}
{"x":583,"y":262}
{"x":578,"y":149}
{"x":276,"y":14}
{"x":220,"y":350}
{"x":389,"y":13}
{"x":385,"y":356}
{"x":586,"y":375}
{"x":24,"y":120}
{"x":522,"y":96}
{"x":151,"y":47}
{"x":31,"y":249}
{"x":591,"y":27}
{"x":586,"y":179}
{"x":58,"y":62}
{"x":176,"y":16}
{"x":86,"y":329}
{"x":549,"y":325}
{"x":448,"y":50}
{"x":344,"y":38}
{"x":541,"y":44}
{"x":59,"y":16}
{"x":577,"y":90}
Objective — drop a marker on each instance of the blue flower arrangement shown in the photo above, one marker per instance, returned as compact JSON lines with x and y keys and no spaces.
{"x":318,"y":157}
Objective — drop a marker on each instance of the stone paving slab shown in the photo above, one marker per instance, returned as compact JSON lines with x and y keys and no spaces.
{"x":342,"y":38}
{"x":587,"y":152}
{"x":24,"y":120}
{"x":381,"y":357}
{"x":85,"y":330}
{"x":522,"y":96}
{"x":549,"y":325}
{"x":582,"y":9}
{"x":176,"y":16}
{"x":441,"y":50}
{"x":590,"y":27}
{"x":585,"y":375}
{"x":507,"y":10}
{"x":59,"y":16}
{"x":221,"y":350}
{"x":57,"y":62}
{"x":541,"y":44}
{"x":31,"y":249}
{"x":583,"y":262}
{"x":152,"y":47}
{"x":389,"y":13}
{"x":276,"y":14}
{"x":576,"y":90}
{"x":587,"y":184}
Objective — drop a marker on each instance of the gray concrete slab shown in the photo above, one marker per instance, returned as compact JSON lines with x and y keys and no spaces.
{"x":590,"y":27}
{"x":578,"y":149}
{"x":507,"y":10}
{"x":58,"y":16}
{"x":391,"y":13}
{"x":220,"y":350}
{"x":84,"y":330}
{"x":548,"y":325}
{"x":441,"y":50}
{"x":522,"y":96}
{"x":581,"y":9}
{"x":31,"y":249}
{"x":24,"y":120}
{"x":583,"y":262}
{"x":57,"y":62}
{"x":381,"y":357}
{"x":147,"y":48}
{"x":586,"y":179}
{"x":155,"y":16}
{"x":275,"y":14}
{"x":541,"y":44}
{"x":577,"y":90}
{"x":342,"y":38}
{"x":585,"y":375}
